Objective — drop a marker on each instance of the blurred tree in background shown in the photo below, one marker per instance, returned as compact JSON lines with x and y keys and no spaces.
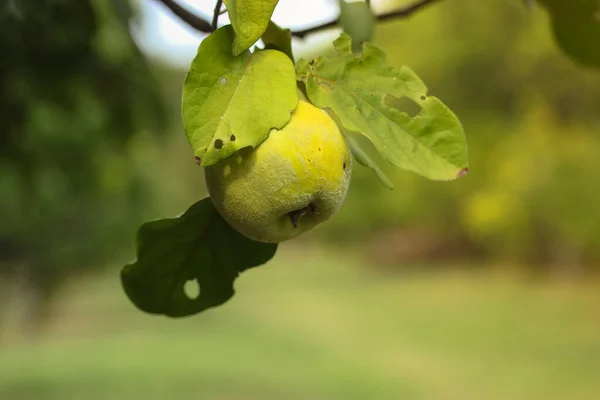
{"x":75,"y":92}
{"x":532,"y":118}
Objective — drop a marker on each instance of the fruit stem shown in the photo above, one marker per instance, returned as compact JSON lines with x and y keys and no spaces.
{"x":297,"y":214}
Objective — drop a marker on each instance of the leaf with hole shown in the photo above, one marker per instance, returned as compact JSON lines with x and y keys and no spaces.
{"x":249,"y":19}
{"x":576,"y":26}
{"x":359,"y":90}
{"x":198,"y":245}
{"x":231,"y":102}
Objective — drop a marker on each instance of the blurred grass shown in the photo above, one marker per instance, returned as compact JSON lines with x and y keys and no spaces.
{"x":317,"y":325}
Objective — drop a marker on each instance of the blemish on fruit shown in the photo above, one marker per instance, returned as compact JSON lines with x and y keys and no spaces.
{"x":198,"y":160}
{"x":462,"y":172}
{"x":423,"y":98}
{"x":218,"y":144}
{"x":232,"y":138}
{"x":344,"y":166}
{"x":296,"y":215}
{"x":223,"y":80}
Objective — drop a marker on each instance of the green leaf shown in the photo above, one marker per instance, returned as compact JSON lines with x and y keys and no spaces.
{"x":231,"y":102}
{"x":358,"y":90}
{"x":357,"y":20}
{"x":249,"y":19}
{"x":198,"y":245}
{"x":363,"y":159}
{"x":576,"y":26}
{"x":275,"y":37}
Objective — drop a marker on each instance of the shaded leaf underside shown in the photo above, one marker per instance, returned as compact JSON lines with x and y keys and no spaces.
{"x":198,"y":245}
{"x":576,"y":26}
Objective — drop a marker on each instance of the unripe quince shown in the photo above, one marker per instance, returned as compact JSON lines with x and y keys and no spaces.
{"x":294,"y":180}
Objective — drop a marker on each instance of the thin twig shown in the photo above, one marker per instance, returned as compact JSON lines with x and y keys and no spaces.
{"x":399,"y":13}
{"x":202,"y":25}
{"x":406,"y":11}
{"x":216,"y":15}
{"x":186,"y":16}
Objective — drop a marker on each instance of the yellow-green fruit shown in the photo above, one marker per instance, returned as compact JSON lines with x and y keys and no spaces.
{"x":294,"y":180}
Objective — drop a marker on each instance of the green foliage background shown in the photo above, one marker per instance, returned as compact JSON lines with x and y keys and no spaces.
{"x":531,"y":117}
{"x":77,"y":101}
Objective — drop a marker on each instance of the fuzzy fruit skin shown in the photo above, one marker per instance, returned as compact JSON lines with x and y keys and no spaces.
{"x":304,"y":166}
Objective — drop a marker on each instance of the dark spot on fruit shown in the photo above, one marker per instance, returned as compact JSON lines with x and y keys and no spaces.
{"x":218,"y":144}
{"x":344,"y":166}
{"x":319,"y":149}
{"x":423,"y":98}
{"x":462,"y":172}
{"x":198,"y":160}
{"x":309,"y":160}
{"x":232,"y":138}
{"x":297,"y":214}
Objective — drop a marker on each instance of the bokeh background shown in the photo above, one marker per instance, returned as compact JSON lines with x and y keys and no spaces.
{"x":482,"y":288}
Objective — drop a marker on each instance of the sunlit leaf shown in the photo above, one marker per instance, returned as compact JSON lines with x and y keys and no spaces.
{"x":275,"y":37}
{"x":199,"y":245}
{"x":576,"y":26}
{"x":357,"y":90}
{"x":249,"y":19}
{"x":231,"y":102}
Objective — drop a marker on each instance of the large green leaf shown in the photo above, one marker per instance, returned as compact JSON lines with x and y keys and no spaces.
{"x":576,"y":25}
{"x":199,"y":245}
{"x":249,"y":19}
{"x":357,"y":89}
{"x":231,"y":102}
{"x":276,"y":37}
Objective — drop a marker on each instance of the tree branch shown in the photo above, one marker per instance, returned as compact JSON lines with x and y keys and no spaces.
{"x":186,"y":16}
{"x":202,"y":25}
{"x":404,"y":12}
{"x":216,"y":14}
